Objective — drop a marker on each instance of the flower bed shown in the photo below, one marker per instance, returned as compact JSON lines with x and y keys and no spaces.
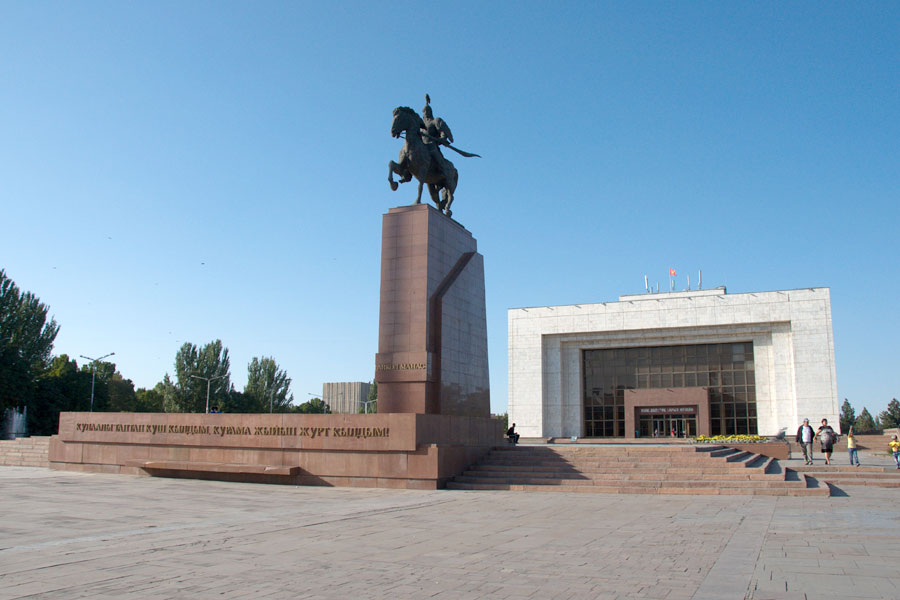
{"x":751,"y":443}
{"x":731,"y":439}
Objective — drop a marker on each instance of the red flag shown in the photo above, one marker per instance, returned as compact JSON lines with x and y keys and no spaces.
{"x":672,"y":272}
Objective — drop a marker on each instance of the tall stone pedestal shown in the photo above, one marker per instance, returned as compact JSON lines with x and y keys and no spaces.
{"x":432,"y":338}
{"x":433,"y":401}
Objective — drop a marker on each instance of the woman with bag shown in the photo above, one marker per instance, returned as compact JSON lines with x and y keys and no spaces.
{"x":827,"y":437}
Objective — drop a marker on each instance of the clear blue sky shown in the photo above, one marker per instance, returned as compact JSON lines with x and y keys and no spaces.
{"x":186,"y":171}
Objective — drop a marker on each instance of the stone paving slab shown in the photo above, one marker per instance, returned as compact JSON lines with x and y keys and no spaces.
{"x":74,"y":535}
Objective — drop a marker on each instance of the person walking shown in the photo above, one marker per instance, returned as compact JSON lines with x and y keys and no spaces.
{"x":895,"y":449}
{"x":851,"y":447}
{"x":805,"y":435}
{"x":827,"y":437}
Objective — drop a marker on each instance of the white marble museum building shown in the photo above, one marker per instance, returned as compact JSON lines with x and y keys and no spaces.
{"x":673,"y":364}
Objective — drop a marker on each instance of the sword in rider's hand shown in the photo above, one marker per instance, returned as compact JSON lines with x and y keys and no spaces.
{"x":443,"y":142}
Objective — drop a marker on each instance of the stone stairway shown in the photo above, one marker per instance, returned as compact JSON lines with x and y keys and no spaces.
{"x":878,"y":476}
{"x":636,"y":469}
{"x":26,"y":452}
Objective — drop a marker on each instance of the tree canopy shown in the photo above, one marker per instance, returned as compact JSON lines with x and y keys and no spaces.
{"x":864,"y":422}
{"x":152,"y":400}
{"x":30,"y":376}
{"x":65,"y":387}
{"x":62,"y":387}
{"x":268,"y":386}
{"x":199,"y":370}
{"x":26,"y":343}
{"x":890,"y":418}
{"x":848,"y":416}
{"x":314,"y":406}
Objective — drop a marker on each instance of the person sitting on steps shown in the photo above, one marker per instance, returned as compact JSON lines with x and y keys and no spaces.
{"x":512,"y":435}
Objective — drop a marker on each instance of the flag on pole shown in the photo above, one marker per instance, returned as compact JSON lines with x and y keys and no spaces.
{"x":671,"y":272}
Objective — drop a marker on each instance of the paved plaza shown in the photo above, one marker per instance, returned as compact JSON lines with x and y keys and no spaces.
{"x":73,"y":535}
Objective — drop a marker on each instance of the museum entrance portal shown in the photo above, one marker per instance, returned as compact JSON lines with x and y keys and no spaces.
{"x":668,"y":425}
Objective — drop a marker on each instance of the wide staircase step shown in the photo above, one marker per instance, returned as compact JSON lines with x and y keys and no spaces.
{"x":623,"y":469}
{"x":877,"y":476}
{"x":25,"y":452}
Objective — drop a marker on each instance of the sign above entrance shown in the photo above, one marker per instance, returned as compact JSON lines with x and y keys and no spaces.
{"x":667,"y":410}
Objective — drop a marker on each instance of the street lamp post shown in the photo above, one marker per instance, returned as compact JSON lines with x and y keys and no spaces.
{"x":367,"y":403}
{"x":208,"y":381}
{"x":94,"y":362}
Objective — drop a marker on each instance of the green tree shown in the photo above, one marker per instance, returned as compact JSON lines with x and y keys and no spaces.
{"x":313,"y":407}
{"x":193,"y":367}
{"x":890,"y":418}
{"x":268,"y":386}
{"x":848,"y":416}
{"x":239,"y":402}
{"x":112,"y":392}
{"x":62,"y":387}
{"x":864,"y":422}
{"x":121,"y":396}
{"x":103,"y":370}
{"x":152,"y":400}
{"x":170,"y":393}
{"x":26,"y":341}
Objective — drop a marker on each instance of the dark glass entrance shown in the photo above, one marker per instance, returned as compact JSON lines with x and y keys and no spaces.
{"x":668,"y":425}
{"x":726,"y":370}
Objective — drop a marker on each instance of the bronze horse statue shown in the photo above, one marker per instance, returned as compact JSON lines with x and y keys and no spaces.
{"x":419,"y":161}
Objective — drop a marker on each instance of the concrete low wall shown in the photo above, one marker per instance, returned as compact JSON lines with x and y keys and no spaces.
{"x":381,"y":450}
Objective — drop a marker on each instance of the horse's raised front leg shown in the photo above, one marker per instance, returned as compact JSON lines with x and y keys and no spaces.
{"x":399,"y":170}
{"x":392,"y":168}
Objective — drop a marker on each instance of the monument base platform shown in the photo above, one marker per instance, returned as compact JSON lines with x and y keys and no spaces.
{"x":398,"y":450}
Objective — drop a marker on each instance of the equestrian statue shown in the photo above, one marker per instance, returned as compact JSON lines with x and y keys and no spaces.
{"x":421,"y":155}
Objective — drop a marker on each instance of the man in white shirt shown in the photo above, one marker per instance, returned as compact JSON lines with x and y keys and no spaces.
{"x":805,"y":436}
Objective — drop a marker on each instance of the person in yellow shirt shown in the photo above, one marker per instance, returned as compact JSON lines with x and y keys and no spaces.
{"x":851,"y":447}
{"x":895,"y":449}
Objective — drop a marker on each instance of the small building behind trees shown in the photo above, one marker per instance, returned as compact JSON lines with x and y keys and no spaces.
{"x":346,"y":396}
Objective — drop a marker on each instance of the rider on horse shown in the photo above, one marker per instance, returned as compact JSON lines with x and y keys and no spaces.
{"x":421,"y":155}
{"x":435,"y":134}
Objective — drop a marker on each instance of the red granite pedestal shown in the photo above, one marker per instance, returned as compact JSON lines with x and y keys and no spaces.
{"x":433,"y":394}
{"x":432,"y":337}
{"x":382,"y":450}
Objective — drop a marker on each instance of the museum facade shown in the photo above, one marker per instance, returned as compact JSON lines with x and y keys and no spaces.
{"x":678,"y":364}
